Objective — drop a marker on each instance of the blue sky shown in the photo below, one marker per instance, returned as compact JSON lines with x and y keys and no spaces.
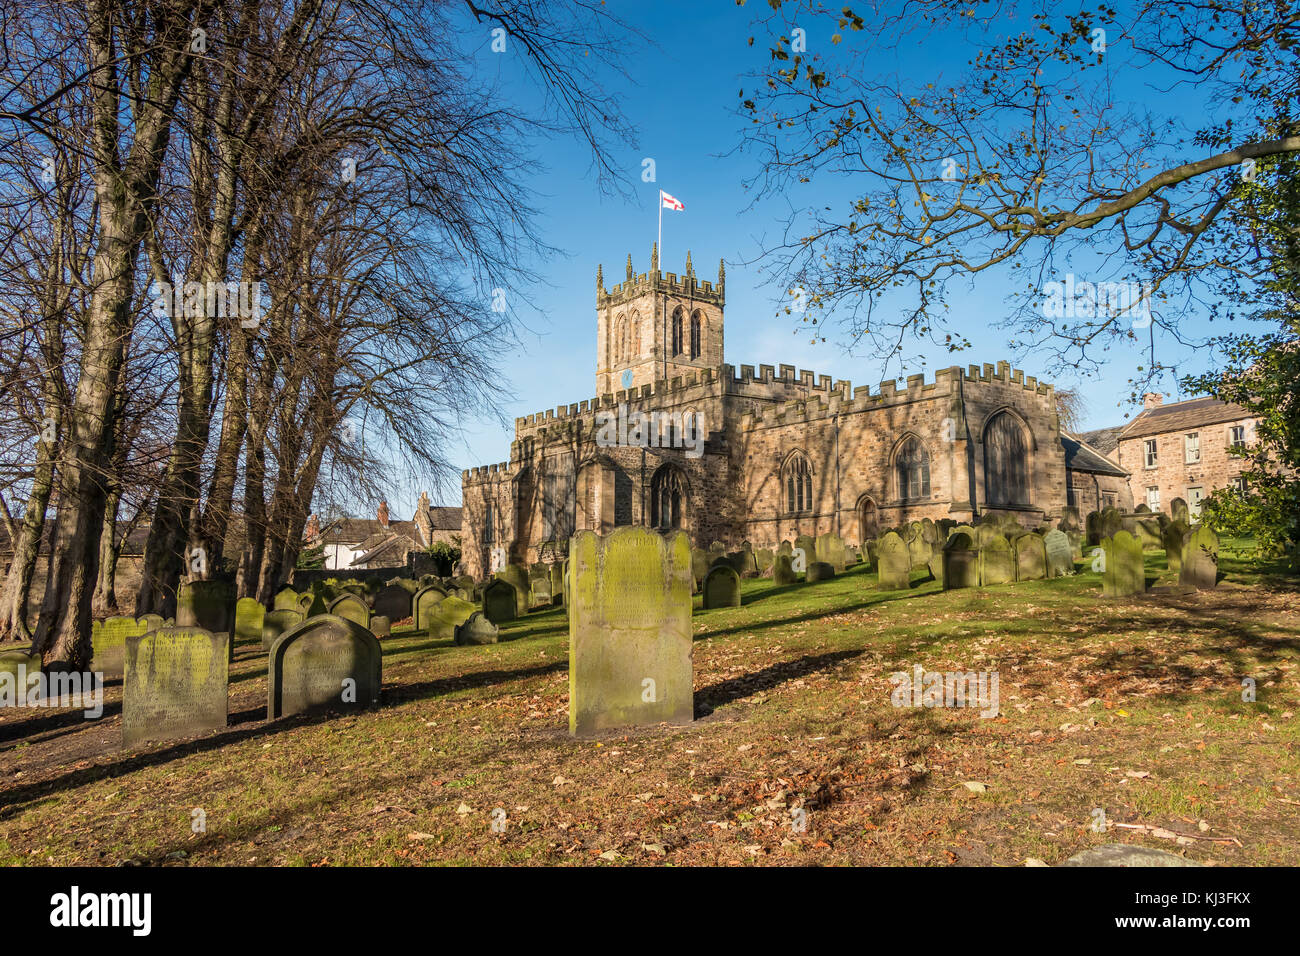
{"x":683,"y":105}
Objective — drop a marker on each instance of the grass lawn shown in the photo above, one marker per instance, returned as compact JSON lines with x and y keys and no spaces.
{"x":1131,"y":707}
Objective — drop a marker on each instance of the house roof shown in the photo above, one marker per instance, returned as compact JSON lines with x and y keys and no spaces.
{"x":1104,"y":440}
{"x":404,"y":542}
{"x":1181,"y":416}
{"x":445,"y":518}
{"x":1081,"y":456}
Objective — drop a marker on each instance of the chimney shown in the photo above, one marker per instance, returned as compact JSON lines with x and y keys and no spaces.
{"x":422,"y":519}
{"x":382,"y":514}
{"x":1152,"y":400}
{"x":313,"y":527}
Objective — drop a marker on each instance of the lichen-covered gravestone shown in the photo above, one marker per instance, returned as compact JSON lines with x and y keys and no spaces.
{"x":894,"y":563}
{"x":175,"y":684}
{"x":557,"y":584}
{"x":539,"y":585}
{"x":1123,"y":574}
{"x":699,"y":565}
{"x":1172,"y":536}
{"x":1178,"y":511}
{"x":517,"y":575}
{"x":1060,"y":555}
{"x":423,"y":604}
{"x":721,"y":588}
{"x":997,"y":564}
{"x":630,"y":640}
{"x":809,"y":545}
{"x":500,"y":603}
{"x":206,"y":604}
{"x":325,"y":663}
{"x":960,"y":561}
{"x":783,"y":570}
{"x":108,"y":643}
{"x":764,"y":558}
{"x":18,"y":662}
{"x":275,"y":623}
{"x":351,"y":608}
{"x":286,"y":598}
{"x":392,"y":601}
{"x":830,"y":550}
{"x":476,"y":629}
{"x":248,"y":619}
{"x":380,"y":625}
{"x":819,"y":571}
{"x":1200,"y":564}
{"x":1031,"y":557}
{"x":449,"y":614}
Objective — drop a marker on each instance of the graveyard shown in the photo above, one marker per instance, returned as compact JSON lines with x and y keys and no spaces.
{"x":1130,"y":705}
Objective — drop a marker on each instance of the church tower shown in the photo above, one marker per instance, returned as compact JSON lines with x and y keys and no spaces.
{"x":656,"y":326}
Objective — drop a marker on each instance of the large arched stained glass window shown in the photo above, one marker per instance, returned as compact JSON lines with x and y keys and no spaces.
{"x":912,"y":464}
{"x":668,"y":499}
{"x":798,"y":484}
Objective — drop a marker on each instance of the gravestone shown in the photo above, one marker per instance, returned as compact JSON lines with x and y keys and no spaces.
{"x":960,"y":561}
{"x":450,"y":613}
{"x":783,"y":570}
{"x":248,"y":619}
{"x":748,"y":565}
{"x":1178,"y":511}
{"x":785,"y":547}
{"x":809,"y":545}
{"x":539,"y":585}
{"x":721,"y":588}
{"x":1200,"y":564}
{"x":286,"y":598}
{"x":716,"y":548}
{"x":20,"y":662}
{"x":500,"y":603}
{"x":1060,"y":555}
{"x":1123,"y":574}
{"x":206,"y":604}
{"x":1172,"y":537}
{"x":985,"y":532}
{"x":830,"y":550}
{"x":935,"y":564}
{"x":699,"y":565}
{"x":630,"y":642}
{"x":764,"y":558}
{"x":1069,"y":519}
{"x":894,"y":563}
{"x":424,"y":602}
{"x":819,"y":571}
{"x":349,"y":607}
{"x":1094,"y":535}
{"x":557,"y":584}
{"x":325,"y":663}
{"x":918,"y":549}
{"x":175,"y":684}
{"x":476,"y":629}
{"x":1031,"y":557}
{"x":930,"y":532}
{"x":410,"y":585}
{"x":108,"y":644}
{"x":381,"y":625}
{"x":152,"y":622}
{"x":1142,"y":509}
{"x":517,"y":575}
{"x":392,"y":601}
{"x":997,"y":564}
{"x":275,"y":623}
{"x":1112,"y":522}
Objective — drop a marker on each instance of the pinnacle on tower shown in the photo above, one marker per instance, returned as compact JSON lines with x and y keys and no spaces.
{"x":690,"y":269}
{"x":600,"y":278}
{"x":722,"y":273}
{"x":629,"y":267}
{"x":654,"y":258}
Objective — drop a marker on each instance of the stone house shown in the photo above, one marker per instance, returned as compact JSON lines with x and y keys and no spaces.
{"x":379,"y":542}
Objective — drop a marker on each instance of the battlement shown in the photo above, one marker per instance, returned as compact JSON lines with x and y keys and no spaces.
{"x":483,"y":473}
{"x":655,"y":280}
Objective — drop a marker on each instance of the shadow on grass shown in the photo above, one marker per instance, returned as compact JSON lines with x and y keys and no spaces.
{"x":708,"y":699}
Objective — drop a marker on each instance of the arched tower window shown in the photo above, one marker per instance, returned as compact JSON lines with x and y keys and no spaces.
{"x":695,"y":335}
{"x":677,"y":331}
{"x":912,"y":464}
{"x":1006,"y":461}
{"x":798,"y":484}
{"x":620,"y":340}
{"x":668,"y":499}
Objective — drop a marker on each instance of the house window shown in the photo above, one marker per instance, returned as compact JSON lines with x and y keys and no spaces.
{"x":1237,"y":436}
{"x":913,"y":467}
{"x":1108,"y":499}
{"x":1192,"y":445}
{"x":1194,"y":498}
{"x":1153,"y":498}
{"x":1239,"y":483}
{"x":798,"y":485}
{"x":1150,"y":444}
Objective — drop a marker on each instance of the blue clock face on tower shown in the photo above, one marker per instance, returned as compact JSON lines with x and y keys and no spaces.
{"x":627,"y":378}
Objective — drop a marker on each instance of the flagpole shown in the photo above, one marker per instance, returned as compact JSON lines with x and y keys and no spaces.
{"x":660,"y":244}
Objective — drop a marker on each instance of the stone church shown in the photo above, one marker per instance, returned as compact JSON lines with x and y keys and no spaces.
{"x":678,"y":438}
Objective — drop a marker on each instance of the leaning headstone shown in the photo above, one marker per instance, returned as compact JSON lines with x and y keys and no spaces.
{"x":894,"y":564}
{"x":500,"y":603}
{"x":1200,"y":564}
{"x":175,"y":684}
{"x":476,"y":629}
{"x":108,"y":644}
{"x":783,"y":570}
{"x":1060,"y":555}
{"x":392,"y":601}
{"x":423,"y":604}
{"x":630,"y":642}
{"x":1172,"y":537}
{"x":248,"y":619}
{"x":451,"y":613}
{"x":286,"y":598}
{"x":997,"y":565}
{"x":517,"y":575}
{"x":1122,"y":575}
{"x":721,"y":588}
{"x":1031,"y":557}
{"x":960,"y":561}
{"x":206,"y":604}
{"x":935,"y":564}
{"x":275,"y":623}
{"x":1178,"y":511}
{"x":830,"y":550}
{"x":351,"y":608}
{"x":325,"y":663}
{"x":819,"y":571}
